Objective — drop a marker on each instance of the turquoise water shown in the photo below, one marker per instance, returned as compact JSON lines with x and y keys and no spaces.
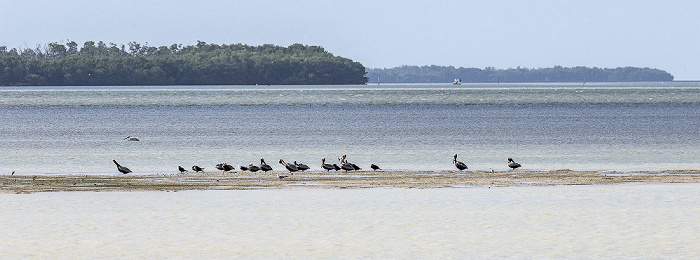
{"x":628,"y":126}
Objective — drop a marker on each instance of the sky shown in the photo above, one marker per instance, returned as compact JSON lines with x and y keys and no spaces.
{"x":503,"y":34}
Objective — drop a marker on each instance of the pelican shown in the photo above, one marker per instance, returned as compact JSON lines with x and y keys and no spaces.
{"x":263,"y":165}
{"x":196,"y":168}
{"x":345,"y":165}
{"x":289,"y":166}
{"x":131,"y":138}
{"x":219,"y":166}
{"x":512,"y":164}
{"x":253,"y":168}
{"x":458,"y":164}
{"x":302,"y":167}
{"x":243,"y":168}
{"x":336,"y":167}
{"x":227,"y":167}
{"x":325,"y":166}
{"x":121,"y":169}
{"x":374,"y":167}
{"x":182,"y":170}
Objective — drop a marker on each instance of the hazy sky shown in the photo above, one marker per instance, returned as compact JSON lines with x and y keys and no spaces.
{"x":663,"y":34}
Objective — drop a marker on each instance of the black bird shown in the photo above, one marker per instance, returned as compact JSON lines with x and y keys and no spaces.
{"x":243,"y":168}
{"x":196,"y":168}
{"x":182,"y":170}
{"x":374,"y":167}
{"x":290,"y":167}
{"x":264,"y":166}
{"x":325,"y":166}
{"x":458,"y":164}
{"x":13,"y":173}
{"x":219,"y":166}
{"x":253,"y":168}
{"x":512,"y":164}
{"x":227,"y":167}
{"x":121,"y":169}
{"x":302,"y":167}
{"x":336,"y":167}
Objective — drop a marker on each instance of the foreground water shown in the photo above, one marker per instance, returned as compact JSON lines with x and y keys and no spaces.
{"x":632,"y":126}
{"x":613,"y":222}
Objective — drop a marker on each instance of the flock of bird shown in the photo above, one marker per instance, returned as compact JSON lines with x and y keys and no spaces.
{"x":343,"y":164}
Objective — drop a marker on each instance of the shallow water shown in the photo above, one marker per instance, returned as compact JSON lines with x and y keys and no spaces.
{"x":622,"y":221}
{"x":612,"y":126}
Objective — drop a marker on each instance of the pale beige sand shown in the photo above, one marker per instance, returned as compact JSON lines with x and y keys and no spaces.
{"x":333,"y":180}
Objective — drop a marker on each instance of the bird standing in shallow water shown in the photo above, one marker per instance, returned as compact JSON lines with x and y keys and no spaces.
{"x":458,"y":164}
{"x":253,"y":168}
{"x":196,"y":168}
{"x":512,"y":164}
{"x":182,"y":170}
{"x":374,"y":167}
{"x":120,"y":168}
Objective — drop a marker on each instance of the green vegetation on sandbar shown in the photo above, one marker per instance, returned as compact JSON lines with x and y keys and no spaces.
{"x":436,"y":74}
{"x":98,"y":64}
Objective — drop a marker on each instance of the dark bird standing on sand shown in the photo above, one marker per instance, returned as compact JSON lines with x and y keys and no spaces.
{"x":302,"y":167}
{"x":121,"y":169}
{"x":196,"y":168}
{"x":458,"y":164}
{"x":243,"y":168}
{"x":290,"y":167}
{"x":374,"y":167}
{"x":512,"y":164}
{"x":325,"y":166}
{"x":264,"y":166}
{"x":182,"y":170}
{"x":253,"y":168}
{"x":227,"y":167}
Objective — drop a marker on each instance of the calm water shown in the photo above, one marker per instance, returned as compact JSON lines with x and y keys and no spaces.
{"x":600,"y":222}
{"x":632,"y":126}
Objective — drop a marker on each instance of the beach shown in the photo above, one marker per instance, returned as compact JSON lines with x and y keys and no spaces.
{"x":333,"y":180}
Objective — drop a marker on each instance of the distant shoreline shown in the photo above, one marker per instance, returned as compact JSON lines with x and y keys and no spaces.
{"x":333,"y":180}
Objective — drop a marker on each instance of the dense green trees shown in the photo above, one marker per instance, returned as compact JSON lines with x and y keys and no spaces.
{"x":201,"y":64}
{"x":435,"y":74}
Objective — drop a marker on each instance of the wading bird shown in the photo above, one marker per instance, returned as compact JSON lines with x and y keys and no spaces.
{"x":182,"y":170}
{"x":458,"y":164}
{"x":374,"y":167}
{"x":196,"y":168}
{"x":120,"y":168}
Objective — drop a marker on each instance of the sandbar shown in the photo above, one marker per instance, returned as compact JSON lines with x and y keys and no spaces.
{"x":333,"y":180}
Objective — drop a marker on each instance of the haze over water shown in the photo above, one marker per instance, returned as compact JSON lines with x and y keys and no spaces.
{"x":605,"y":126}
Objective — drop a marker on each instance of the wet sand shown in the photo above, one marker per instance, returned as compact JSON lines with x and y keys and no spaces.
{"x":333,"y":180}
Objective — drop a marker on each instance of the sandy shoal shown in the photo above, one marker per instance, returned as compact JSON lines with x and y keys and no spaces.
{"x":332,"y":180}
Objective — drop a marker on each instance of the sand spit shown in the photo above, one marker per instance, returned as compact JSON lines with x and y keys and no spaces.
{"x":333,"y":180}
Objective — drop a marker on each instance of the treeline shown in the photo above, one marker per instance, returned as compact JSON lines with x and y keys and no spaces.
{"x":202,"y":64}
{"x":437,"y":74}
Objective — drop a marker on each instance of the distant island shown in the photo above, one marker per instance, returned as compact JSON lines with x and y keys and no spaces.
{"x":437,"y":74}
{"x":97,"y":64}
